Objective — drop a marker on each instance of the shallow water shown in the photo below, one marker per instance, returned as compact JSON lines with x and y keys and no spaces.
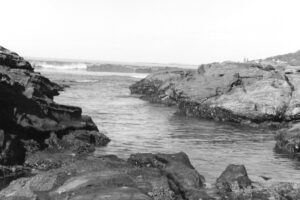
{"x":135,"y":125}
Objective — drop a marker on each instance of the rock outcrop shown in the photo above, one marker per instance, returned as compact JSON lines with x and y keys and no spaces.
{"x":142,"y":177}
{"x":247,"y":93}
{"x":234,"y":184}
{"x":29,"y":118}
{"x":288,"y":141}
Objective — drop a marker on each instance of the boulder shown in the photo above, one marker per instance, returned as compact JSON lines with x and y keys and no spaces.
{"x":246,"y":93}
{"x":13,"y":60}
{"x":234,"y":177}
{"x":30,"y":120}
{"x":142,"y":177}
{"x":234,"y":184}
{"x":288,"y":140}
{"x":183,"y":179}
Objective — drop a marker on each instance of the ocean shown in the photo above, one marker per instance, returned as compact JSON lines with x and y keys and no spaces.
{"x":135,"y":125}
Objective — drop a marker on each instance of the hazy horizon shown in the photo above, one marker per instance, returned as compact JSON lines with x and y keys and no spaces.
{"x":170,"y":31}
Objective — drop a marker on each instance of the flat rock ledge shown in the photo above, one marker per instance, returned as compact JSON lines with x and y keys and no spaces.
{"x":143,"y":176}
{"x":31,"y":121}
{"x":246,"y":93}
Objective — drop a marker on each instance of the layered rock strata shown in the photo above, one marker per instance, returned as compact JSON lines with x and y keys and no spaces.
{"x":29,"y":118}
{"x":142,"y":177}
{"x":234,"y":184}
{"x":247,"y":93}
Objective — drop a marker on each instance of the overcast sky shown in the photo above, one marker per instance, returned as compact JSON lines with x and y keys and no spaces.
{"x":168,"y":31}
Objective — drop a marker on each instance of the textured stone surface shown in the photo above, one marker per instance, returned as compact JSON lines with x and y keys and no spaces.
{"x":234,"y":184}
{"x":31,"y":121}
{"x":182,"y":177}
{"x":288,"y":140}
{"x":246,"y":93}
{"x":142,"y":177}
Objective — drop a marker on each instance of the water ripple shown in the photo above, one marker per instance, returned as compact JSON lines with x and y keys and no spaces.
{"x":135,"y":126}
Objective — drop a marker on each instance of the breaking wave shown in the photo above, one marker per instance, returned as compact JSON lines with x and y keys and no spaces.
{"x":59,"y":66}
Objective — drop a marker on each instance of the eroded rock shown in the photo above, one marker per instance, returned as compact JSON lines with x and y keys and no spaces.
{"x":234,"y":177}
{"x":288,"y":140}
{"x":234,"y":184}
{"x":168,"y":177}
{"x":183,"y":179}
{"x":31,"y":121}
{"x":246,"y":93}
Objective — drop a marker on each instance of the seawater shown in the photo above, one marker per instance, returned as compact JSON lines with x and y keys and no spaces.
{"x":135,"y":125}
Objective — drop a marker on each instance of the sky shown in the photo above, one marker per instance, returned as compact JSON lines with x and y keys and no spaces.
{"x":163,"y":31}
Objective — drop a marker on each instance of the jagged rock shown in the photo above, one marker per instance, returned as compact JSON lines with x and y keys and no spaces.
{"x":246,"y":93}
{"x":29,"y":118}
{"x":111,"y":178}
{"x":234,"y":177}
{"x":183,"y":179}
{"x":234,"y":184}
{"x":288,"y":141}
{"x":13,"y":60}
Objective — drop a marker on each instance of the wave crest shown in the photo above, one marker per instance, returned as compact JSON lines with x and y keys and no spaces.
{"x":53,"y":66}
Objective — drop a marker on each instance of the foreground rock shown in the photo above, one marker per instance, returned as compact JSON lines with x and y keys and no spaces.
{"x":288,"y":141}
{"x":142,"y":177}
{"x":31,"y":121}
{"x":234,"y":184}
{"x":246,"y":93}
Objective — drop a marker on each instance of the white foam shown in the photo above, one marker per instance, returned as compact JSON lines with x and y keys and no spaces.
{"x":86,"y":81}
{"x":91,"y":73}
{"x":71,"y":66}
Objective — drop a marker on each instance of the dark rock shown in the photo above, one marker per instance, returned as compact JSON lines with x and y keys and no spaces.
{"x":13,"y":60}
{"x":29,"y":118}
{"x":233,"y":178}
{"x":108,"y":177}
{"x":287,"y":191}
{"x":183,"y":179}
{"x":234,"y":184}
{"x":288,"y":141}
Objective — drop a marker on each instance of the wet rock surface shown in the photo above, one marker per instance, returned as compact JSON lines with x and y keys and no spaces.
{"x":234,"y":184}
{"x":46,"y":147}
{"x":246,"y":93}
{"x":31,"y":121}
{"x":288,"y":141}
{"x":142,"y":177}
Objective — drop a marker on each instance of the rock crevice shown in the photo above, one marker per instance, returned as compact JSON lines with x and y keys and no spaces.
{"x":237,"y":92}
{"x":29,"y":117}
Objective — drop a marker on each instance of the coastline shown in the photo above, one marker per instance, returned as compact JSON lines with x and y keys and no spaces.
{"x":58,"y":141}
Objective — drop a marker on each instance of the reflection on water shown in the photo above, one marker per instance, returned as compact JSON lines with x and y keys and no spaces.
{"x":135,"y":126}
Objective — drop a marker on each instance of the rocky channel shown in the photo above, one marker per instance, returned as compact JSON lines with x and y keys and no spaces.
{"x":252,"y":94}
{"x":46,"y":147}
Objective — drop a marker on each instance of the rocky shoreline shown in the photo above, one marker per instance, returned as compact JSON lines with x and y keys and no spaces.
{"x":253,"y":94}
{"x":246,"y":93}
{"x":46,"y":147}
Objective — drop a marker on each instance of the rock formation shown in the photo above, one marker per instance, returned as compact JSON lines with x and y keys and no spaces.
{"x":234,"y":184}
{"x":142,"y":177}
{"x":247,"y":93}
{"x":43,"y":145}
{"x":29,"y":118}
{"x":288,"y":141}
